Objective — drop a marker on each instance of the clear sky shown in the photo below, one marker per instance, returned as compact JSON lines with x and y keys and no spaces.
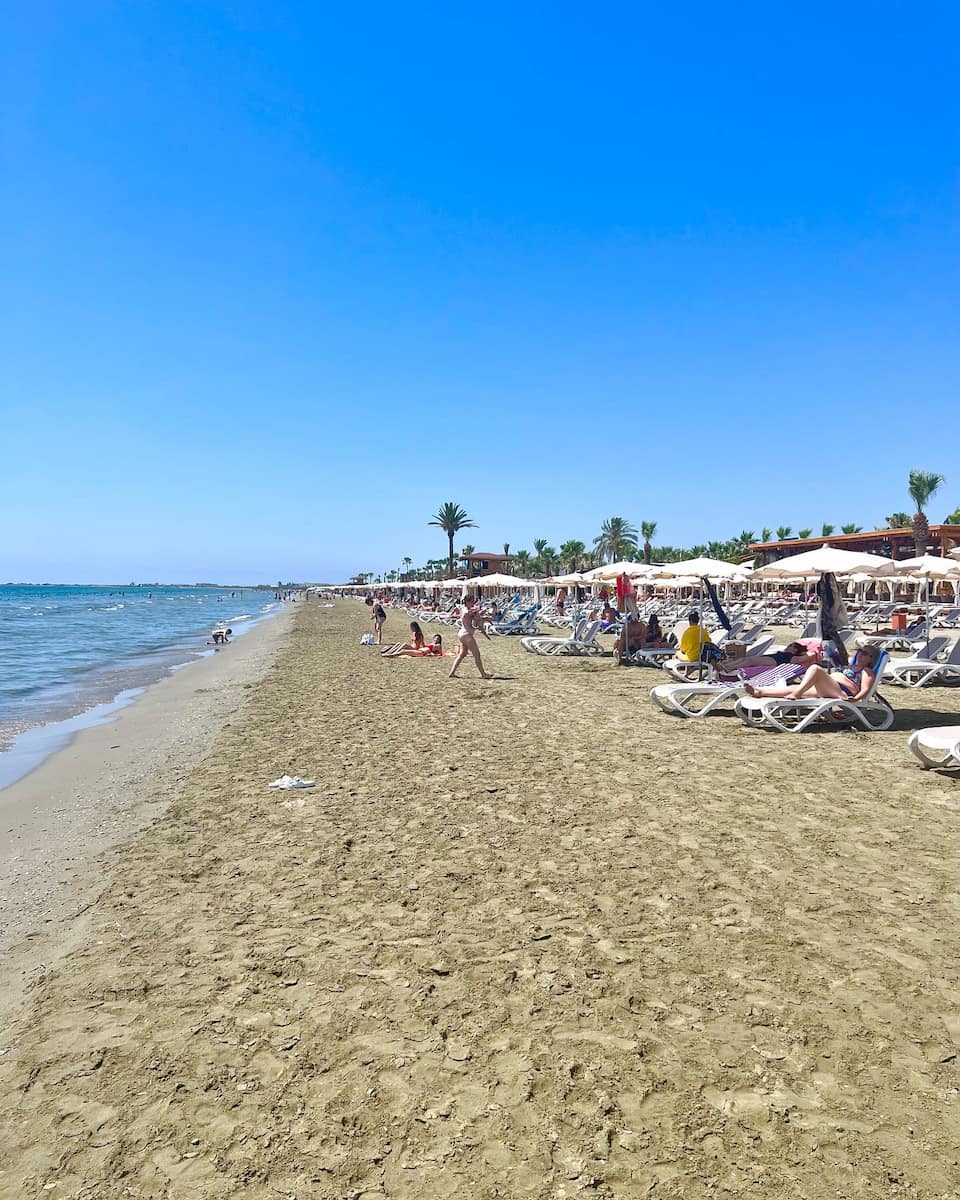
{"x":277,"y":279}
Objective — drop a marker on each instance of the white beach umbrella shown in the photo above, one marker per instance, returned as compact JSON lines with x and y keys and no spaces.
{"x":928,"y":566}
{"x":613,"y":571}
{"x":826,"y":560}
{"x":703,"y":568}
{"x":497,"y":580}
{"x":570,"y":580}
{"x":923,"y":569}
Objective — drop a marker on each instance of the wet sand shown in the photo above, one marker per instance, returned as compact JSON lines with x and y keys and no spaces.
{"x":62,"y":825}
{"x":528,"y":937}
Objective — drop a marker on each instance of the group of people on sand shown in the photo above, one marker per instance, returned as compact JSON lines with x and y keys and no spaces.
{"x":472,"y":622}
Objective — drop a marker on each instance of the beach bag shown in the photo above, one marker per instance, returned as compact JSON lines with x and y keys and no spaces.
{"x":367,"y":640}
{"x":709,"y":653}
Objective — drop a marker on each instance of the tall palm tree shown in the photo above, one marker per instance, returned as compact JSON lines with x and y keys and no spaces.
{"x":506,"y":549}
{"x":898,"y":520}
{"x":766,"y":535}
{"x":617,"y":538}
{"x":647,"y":530}
{"x":468,"y":549}
{"x":804,"y":533}
{"x":851,"y":528}
{"x":548,"y":558}
{"x":451,"y":518}
{"x":521,"y":563}
{"x":921,"y":487}
{"x":826,"y":530}
{"x":571,"y":553}
{"x":407,"y":564}
{"x":952,"y":518}
{"x":783,"y":532}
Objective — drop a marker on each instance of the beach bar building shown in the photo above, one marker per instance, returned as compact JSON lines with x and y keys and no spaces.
{"x":891,"y":543}
{"x":470,"y":566}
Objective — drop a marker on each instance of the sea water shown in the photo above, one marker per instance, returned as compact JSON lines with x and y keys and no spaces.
{"x":69,"y":649}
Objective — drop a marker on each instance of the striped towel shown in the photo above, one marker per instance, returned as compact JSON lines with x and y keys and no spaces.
{"x":769,"y":678}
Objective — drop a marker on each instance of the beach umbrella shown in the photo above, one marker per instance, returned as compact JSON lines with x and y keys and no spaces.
{"x":613,"y":571}
{"x":570,"y":580}
{"x":826,"y":559}
{"x":927,"y":567}
{"x":497,"y":580}
{"x":703,"y":568}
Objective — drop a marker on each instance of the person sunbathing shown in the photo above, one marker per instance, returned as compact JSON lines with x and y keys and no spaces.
{"x":633,"y":636}
{"x":794,"y":652}
{"x":417,"y":647}
{"x":851,"y":683}
{"x":655,"y":639}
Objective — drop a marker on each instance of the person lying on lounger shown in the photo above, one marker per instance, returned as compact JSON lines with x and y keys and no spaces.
{"x":795,"y":652}
{"x":851,"y":683}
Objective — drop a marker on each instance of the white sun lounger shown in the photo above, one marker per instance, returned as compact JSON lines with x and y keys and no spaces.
{"x":701,"y":699}
{"x":795,"y":716}
{"x":582,"y":641}
{"x":925,"y":668}
{"x":937,"y":747}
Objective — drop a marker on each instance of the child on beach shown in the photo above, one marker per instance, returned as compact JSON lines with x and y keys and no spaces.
{"x":378,"y":617}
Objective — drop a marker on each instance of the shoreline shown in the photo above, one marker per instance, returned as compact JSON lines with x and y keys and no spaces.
{"x":64,"y":822}
{"x":52,"y":714}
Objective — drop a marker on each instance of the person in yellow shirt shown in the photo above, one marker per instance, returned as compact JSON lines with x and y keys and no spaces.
{"x":693,"y":639}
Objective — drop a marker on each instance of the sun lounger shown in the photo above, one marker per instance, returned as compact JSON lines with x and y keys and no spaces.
{"x":937,"y":747}
{"x":923,"y":669}
{"x":795,"y":716}
{"x":582,"y":641}
{"x":522,"y":622}
{"x":701,"y":699}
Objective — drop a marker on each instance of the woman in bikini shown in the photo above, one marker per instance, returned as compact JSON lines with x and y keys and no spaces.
{"x":417,"y":647}
{"x":852,"y":683}
{"x":470,"y":622}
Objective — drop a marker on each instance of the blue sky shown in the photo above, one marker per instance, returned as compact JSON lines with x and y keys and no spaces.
{"x":280,"y":279}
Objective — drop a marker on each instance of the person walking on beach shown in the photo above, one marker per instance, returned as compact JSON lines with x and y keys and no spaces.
{"x":378,"y":618}
{"x":470,"y":621}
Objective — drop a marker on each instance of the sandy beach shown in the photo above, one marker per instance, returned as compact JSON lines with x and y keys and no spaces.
{"x":61,"y":825}
{"x":525,"y":937}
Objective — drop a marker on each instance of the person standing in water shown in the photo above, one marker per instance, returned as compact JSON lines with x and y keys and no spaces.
{"x":470,"y":621}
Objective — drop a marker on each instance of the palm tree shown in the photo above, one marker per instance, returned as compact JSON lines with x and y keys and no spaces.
{"x":407,"y":564}
{"x":898,"y":520}
{"x":451,"y":518}
{"x":851,"y":528}
{"x":783,"y":532}
{"x":521,"y":563}
{"x":826,"y":530}
{"x":468,"y":549}
{"x":766,"y":535}
{"x":647,"y":530}
{"x":571,"y":554}
{"x":548,"y":556}
{"x":617,"y":538}
{"x":953,"y":518}
{"x":506,"y":549}
{"x":804,"y":533}
{"x":921,"y":487}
